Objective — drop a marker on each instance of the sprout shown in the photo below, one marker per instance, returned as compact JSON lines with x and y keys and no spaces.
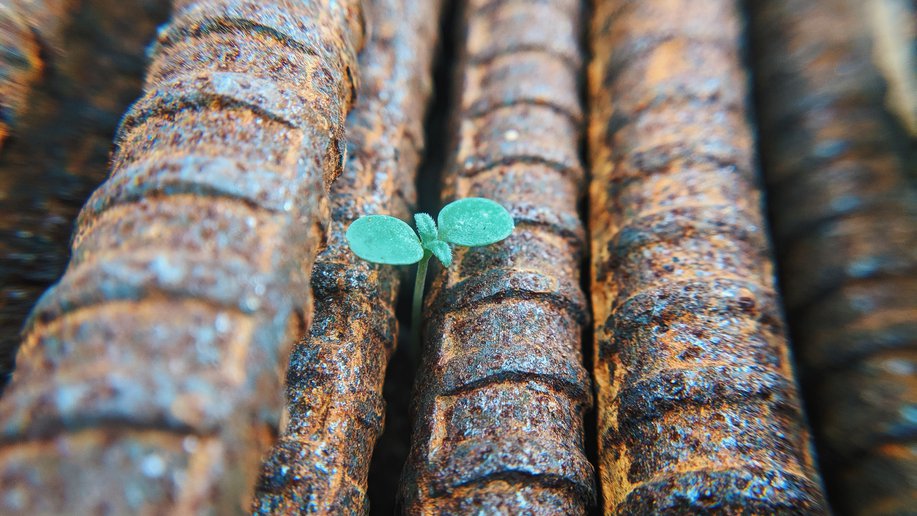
{"x":467,"y":222}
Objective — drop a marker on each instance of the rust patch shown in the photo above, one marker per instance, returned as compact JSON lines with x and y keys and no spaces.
{"x":190,"y":276}
{"x":334,"y":383}
{"x":846,"y":234}
{"x":698,"y":407}
{"x":20,"y":66}
{"x":501,"y":389}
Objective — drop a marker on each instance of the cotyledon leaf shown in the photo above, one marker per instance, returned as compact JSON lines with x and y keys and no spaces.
{"x":474,"y":221}
{"x":384,"y":239}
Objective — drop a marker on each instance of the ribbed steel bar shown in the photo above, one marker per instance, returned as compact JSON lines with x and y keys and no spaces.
{"x":148,"y":378}
{"x":334,"y":383}
{"x":501,"y":390}
{"x":845,"y":219}
{"x":91,"y":55}
{"x":697,"y":404}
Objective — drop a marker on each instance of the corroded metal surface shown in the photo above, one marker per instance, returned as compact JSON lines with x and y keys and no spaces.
{"x":334,"y":383}
{"x":501,"y":389}
{"x":92,"y":59}
{"x":698,"y":408}
{"x":846,"y":234}
{"x":148,"y":378}
{"x":20,"y":65}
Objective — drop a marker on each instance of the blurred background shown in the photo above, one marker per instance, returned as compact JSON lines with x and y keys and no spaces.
{"x":834,"y":96}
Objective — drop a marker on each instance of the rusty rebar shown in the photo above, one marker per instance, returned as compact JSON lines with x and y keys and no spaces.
{"x":845,"y":224}
{"x":92,"y":54}
{"x":697,"y":403}
{"x":501,"y":390}
{"x":334,"y":383}
{"x":148,"y":377}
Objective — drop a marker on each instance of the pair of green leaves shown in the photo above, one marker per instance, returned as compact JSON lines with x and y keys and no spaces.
{"x":469,"y":222}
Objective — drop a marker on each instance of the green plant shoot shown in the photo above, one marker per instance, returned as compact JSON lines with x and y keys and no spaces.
{"x":470,"y":222}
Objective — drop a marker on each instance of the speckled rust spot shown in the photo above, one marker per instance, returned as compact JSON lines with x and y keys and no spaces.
{"x":20,"y":66}
{"x":846,"y":235}
{"x":161,"y":344}
{"x":501,"y":392}
{"x":334,"y":383}
{"x":68,"y":70}
{"x":698,"y":407}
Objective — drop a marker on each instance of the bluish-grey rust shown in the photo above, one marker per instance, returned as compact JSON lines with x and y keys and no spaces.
{"x":334,"y":383}
{"x":148,"y":380}
{"x":501,"y":390}
{"x":845,"y":219}
{"x":697,"y":403}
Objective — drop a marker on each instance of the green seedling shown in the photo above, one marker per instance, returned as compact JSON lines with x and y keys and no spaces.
{"x":467,"y":222}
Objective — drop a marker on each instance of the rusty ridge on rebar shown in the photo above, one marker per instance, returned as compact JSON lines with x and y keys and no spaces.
{"x":20,"y":66}
{"x":846,"y":232}
{"x":148,"y":377}
{"x":501,"y":391}
{"x":334,"y":384}
{"x":697,"y":404}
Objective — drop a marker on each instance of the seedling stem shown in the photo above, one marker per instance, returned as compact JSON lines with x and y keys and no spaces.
{"x":417,"y":308}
